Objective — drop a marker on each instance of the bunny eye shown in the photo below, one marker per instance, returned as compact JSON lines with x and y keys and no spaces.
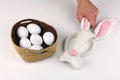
{"x":104,"y":28}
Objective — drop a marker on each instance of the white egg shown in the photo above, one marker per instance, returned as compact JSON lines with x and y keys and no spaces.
{"x":36,"y":47}
{"x":34,"y":28}
{"x":25,"y":43}
{"x":22,"y":32}
{"x":48,"y":38}
{"x":36,"y":39}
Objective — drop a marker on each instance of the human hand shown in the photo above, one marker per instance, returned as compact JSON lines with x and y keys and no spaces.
{"x":88,"y":10}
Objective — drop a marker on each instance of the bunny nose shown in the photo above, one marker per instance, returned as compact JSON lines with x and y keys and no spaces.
{"x":73,"y":52}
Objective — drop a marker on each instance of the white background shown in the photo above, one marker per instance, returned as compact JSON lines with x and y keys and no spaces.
{"x":103,"y":64}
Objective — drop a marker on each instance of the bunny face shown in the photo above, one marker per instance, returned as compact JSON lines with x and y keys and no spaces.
{"x":73,"y":56}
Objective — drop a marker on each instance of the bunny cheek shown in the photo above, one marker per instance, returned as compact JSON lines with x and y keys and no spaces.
{"x":104,"y":28}
{"x":73,"y":52}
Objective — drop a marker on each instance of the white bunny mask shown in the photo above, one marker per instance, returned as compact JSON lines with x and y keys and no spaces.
{"x":73,"y":56}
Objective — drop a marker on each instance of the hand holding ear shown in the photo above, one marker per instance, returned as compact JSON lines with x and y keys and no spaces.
{"x":87,"y":9}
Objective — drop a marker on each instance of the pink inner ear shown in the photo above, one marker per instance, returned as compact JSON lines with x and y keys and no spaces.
{"x":104,"y":28}
{"x":85,"y":24}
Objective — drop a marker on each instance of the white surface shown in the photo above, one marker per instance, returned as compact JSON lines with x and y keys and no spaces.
{"x":103,"y":64}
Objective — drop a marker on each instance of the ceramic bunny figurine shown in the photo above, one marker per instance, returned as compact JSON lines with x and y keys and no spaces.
{"x":73,"y":55}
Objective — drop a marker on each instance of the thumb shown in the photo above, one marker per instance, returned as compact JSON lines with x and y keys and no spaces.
{"x":92,"y":21}
{"x":79,"y":17}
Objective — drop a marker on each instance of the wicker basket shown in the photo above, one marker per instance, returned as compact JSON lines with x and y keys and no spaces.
{"x":34,"y":55}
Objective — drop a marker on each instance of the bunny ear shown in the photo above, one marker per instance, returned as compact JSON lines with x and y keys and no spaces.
{"x":85,"y":24}
{"x":103,"y":28}
{"x":106,"y":28}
